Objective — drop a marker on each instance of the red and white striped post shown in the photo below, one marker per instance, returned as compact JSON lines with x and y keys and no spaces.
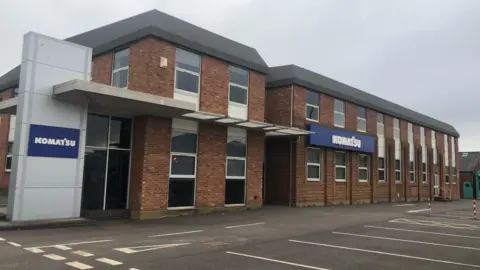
{"x":474,"y":209}
{"x":429,"y":208}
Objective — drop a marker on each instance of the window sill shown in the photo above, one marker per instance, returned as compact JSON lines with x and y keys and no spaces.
{"x":233,"y":103}
{"x":340,"y":180}
{"x":361,"y":131}
{"x":186,"y":93}
{"x":181,"y":208}
{"x":363,"y":181}
{"x":398,"y":182}
{"x":8,"y":171}
{"x":382,"y":182}
{"x":339,"y":126}
{"x":313,"y":180}
{"x":312,"y":120}
{"x":235,"y":205}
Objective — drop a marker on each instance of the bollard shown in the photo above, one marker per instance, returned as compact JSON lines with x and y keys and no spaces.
{"x":474,"y":209}
{"x":429,"y":208}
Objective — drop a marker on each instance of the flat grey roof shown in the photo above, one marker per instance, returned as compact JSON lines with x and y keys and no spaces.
{"x":166,"y":27}
{"x":292,"y":74}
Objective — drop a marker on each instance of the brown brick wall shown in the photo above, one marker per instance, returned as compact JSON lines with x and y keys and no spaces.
{"x":326,"y":110}
{"x":278,"y":109}
{"x":360,"y":191}
{"x":102,"y":68}
{"x":214,"y":86}
{"x":299,"y":103}
{"x":4,"y":130}
{"x":256,"y":97}
{"x":277,"y":168}
{"x":371,"y":122}
{"x":350,"y":117}
{"x":255,"y":153}
{"x":308,"y":192}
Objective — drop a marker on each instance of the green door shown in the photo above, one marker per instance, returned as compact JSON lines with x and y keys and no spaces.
{"x":467,"y":190}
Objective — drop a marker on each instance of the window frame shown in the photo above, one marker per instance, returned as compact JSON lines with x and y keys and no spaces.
{"x":382,"y":123}
{"x":396,"y":129}
{"x":447,"y":175}
{"x":411,"y":170}
{"x":246,"y":88}
{"x":454,"y":175}
{"x":244,"y":159}
{"x":199,"y":75}
{"x":362,"y":119}
{"x":399,"y":170}
{"x":127,"y":68}
{"x":319,"y":165}
{"x":341,"y":166}
{"x":312,"y":105}
{"x":424,"y":173}
{"x":384,"y":180}
{"x":335,"y":112}
{"x":363,"y":168}
{"x":9,"y":155}
{"x":184,"y":154}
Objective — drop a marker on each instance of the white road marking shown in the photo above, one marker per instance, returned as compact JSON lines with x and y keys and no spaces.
{"x":405,"y":204}
{"x":54,"y":257}
{"x":244,"y":225}
{"x":35,"y":250}
{"x":14,"y":244}
{"x":76,"y":243}
{"x":79,"y":265}
{"x":277,"y":261}
{"x":131,"y":250}
{"x":2,"y":239}
{"x":386,"y":253}
{"x":82,"y":253}
{"x":177,"y":233}
{"x":433,"y":223}
{"x":418,"y":210}
{"x":404,"y":240}
{"x":109,"y":261}
{"x":426,"y":232}
{"x":62,"y":247}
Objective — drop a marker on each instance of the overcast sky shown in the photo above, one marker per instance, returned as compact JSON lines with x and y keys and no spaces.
{"x":424,"y":55}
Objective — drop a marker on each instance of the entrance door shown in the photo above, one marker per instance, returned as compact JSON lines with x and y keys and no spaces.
{"x":436,"y":186}
{"x":467,"y":190}
{"x":107,"y":163}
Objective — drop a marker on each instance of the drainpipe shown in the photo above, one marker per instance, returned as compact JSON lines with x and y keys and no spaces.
{"x":291,"y":150}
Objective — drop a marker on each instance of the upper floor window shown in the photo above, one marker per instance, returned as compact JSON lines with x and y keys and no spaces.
{"x":422,"y":136}
{"x":312,"y":108}
{"x":121,"y":62}
{"x":380,"y":124}
{"x":396,"y":129}
{"x":361,"y":119}
{"x":339,"y":113}
{"x":238,"y":85}
{"x":187,"y":71}
{"x":15,"y":92}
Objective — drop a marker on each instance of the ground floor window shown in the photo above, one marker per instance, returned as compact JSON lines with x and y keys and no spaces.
{"x":424,"y":173}
{"x":398,"y":171}
{"x":313,"y":164}
{"x":412,"y":171}
{"x":362,"y":168}
{"x":9,"y":157}
{"x":381,"y":170}
{"x":183,"y":164}
{"x":340,"y":166}
{"x":447,"y":175}
{"x":107,"y":163}
{"x":235,"y":173}
{"x":454,"y":174}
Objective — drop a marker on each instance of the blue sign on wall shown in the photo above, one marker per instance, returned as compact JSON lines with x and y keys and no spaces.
{"x":48,"y":141}
{"x":335,"y":138}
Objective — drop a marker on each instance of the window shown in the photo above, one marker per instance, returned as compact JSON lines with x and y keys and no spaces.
{"x":396,"y":129}
{"x":381,"y":170}
{"x":361,"y":119}
{"x":340,"y":166}
{"x":447,"y":175}
{"x":121,"y":62}
{"x":8,"y":163}
{"x":313,"y":106}
{"x":380,"y":125}
{"x":187,"y":72}
{"x":339,"y":113}
{"x":15,"y":92}
{"x":362,"y":168}
{"x":424,"y":173}
{"x":183,"y":160}
{"x":238,"y":85}
{"x":313,"y":164}
{"x":235,"y":173}
{"x":454,"y":174}
{"x":412,"y":172}
{"x":398,"y":171}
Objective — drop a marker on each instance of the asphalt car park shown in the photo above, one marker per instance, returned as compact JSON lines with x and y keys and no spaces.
{"x":347,"y":237}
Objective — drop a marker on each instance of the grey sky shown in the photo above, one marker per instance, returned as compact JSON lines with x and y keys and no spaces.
{"x":424,"y":55}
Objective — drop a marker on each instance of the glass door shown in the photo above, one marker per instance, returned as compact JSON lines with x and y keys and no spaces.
{"x":107,"y":163}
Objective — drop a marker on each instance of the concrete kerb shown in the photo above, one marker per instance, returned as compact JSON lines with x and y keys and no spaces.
{"x":45,"y":224}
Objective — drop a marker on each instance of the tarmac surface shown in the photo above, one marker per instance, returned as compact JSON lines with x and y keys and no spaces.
{"x":383,"y":236}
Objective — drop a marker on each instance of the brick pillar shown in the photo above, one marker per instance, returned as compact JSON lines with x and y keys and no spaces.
{"x":330,"y":176}
{"x":102,"y":68}
{"x":255,"y":152}
{"x":150,"y":166}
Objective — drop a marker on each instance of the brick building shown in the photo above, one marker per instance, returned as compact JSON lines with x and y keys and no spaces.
{"x":179,"y":119}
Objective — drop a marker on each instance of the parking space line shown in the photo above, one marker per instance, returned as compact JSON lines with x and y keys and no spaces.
{"x":177,"y":233}
{"x":2,"y":239}
{"x":54,"y":257}
{"x":433,"y":223}
{"x":426,"y":232}
{"x":276,"y":261}
{"x":79,"y":265}
{"x":385,"y":253}
{"x":82,"y":253}
{"x":109,"y":261}
{"x":244,"y":225}
{"x":418,"y":210}
{"x":34,"y":250}
{"x":404,"y":240}
{"x":14,"y":244}
{"x":62,"y":247}
{"x":76,"y":243}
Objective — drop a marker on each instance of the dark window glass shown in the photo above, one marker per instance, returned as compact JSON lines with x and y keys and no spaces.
{"x":424,"y":178}
{"x":340,"y":158}
{"x":117,"y":179}
{"x":94,"y":179}
{"x":339,"y":106}
{"x":340,"y":173}
{"x":8,"y":163}
{"x":122,"y":59}
{"x":183,"y":165}
{"x":235,"y":191}
{"x":120,"y":133}
{"x":183,"y":142}
{"x":397,"y":176}
{"x":381,"y":163}
{"x":412,"y":166}
{"x":235,"y":167}
{"x":362,"y":161}
{"x":362,"y":174}
{"x":120,"y":78}
{"x":238,"y":94}
{"x":381,"y":175}
{"x":97,"y":130}
{"x":313,"y":171}
{"x":313,"y":98}
{"x":412,"y":177}
{"x":181,"y":192}
{"x":15,"y":92}
{"x":313,"y":155}
{"x":187,"y":60}
{"x":311,"y":113}
{"x":10,"y":148}
{"x":186,"y":81}
{"x":424,"y":167}
{"x":238,"y":76}
{"x":236,"y":148}
{"x":361,"y":112}
{"x":397,"y":164}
